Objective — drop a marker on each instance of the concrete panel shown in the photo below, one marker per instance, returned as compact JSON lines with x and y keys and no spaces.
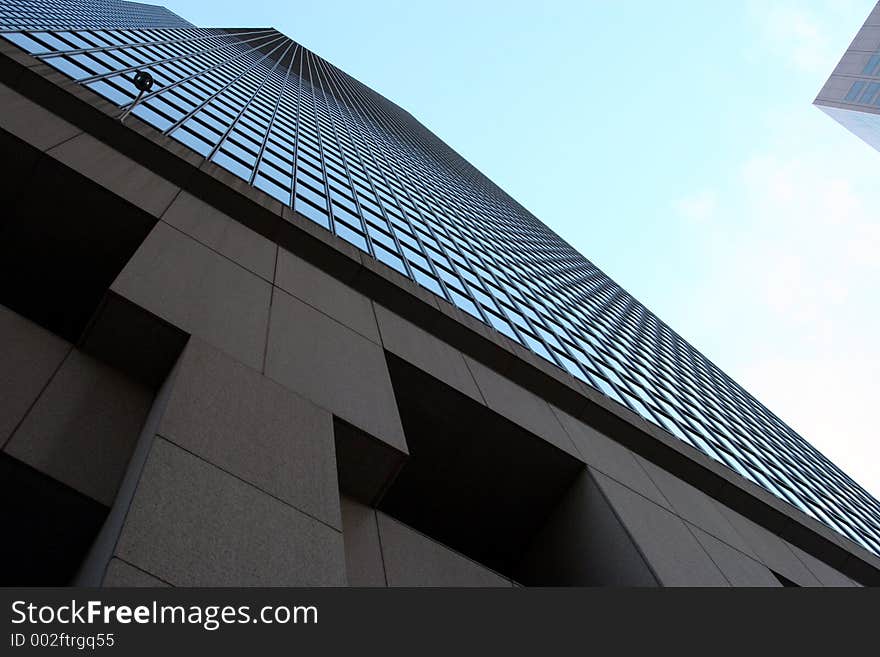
{"x":117,"y":325}
{"x":16,"y":169}
{"x":771,"y":550}
{"x":836,"y":88}
{"x":609,"y":457}
{"x":333,"y":366}
{"x":474,"y":480}
{"x":62,"y":243}
{"x":363,"y":551}
{"x":365,"y":465}
{"x":695,"y":506}
{"x":116,"y":172}
{"x":673,"y":553}
{"x":827,"y":575}
{"x":242,"y":188}
{"x":852,"y":63}
{"x":47,"y":527}
{"x":868,"y":39}
{"x":426,"y":352}
{"x":121,"y":574}
{"x":83,"y":427}
{"x":191,"y":524}
{"x":299,"y":235}
{"x":412,"y":559}
{"x":30,"y":355}
{"x":738,"y":568}
{"x":92,"y":569}
{"x":519,"y":405}
{"x":379,"y":281}
{"x":250,"y":426}
{"x":323,"y":292}
{"x":199,"y":291}
{"x":223,"y":234}
{"x":583,"y":543}
{"x":29,"y":121}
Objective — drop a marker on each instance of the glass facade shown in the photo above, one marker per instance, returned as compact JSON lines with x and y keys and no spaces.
{"x":866,"y":89}
{"x":84,"y":14}
{"x":291,"y":124}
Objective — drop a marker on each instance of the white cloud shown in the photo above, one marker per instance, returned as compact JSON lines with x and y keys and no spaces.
{"x":830,"y":398}
{"x":795,"y":268}
{"x":698,"y":207}
{"x":821,"y":296}
{"x":797,"y":32}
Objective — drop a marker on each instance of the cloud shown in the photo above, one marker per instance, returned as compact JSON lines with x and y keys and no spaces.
{"x":830,"y":398}
{"x":820,"y":295}
{"x":698,"y":207}
{"x":795,"y":268}
{"x":795,"y":32}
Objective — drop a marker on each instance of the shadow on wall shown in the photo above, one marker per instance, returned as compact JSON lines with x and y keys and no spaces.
{"x":489,"y":490}
{"x":77,"y":400}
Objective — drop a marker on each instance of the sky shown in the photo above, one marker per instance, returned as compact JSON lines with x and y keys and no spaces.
{"x":676,"y":146}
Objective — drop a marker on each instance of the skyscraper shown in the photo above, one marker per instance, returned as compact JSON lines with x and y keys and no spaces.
{"x":852,"y":94}
{"x":266,"y":328}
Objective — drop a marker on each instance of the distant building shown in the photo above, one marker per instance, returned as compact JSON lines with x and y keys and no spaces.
{"x":852,"y":94}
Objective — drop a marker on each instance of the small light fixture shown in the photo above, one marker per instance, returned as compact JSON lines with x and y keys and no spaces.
{"x":143,"y":81}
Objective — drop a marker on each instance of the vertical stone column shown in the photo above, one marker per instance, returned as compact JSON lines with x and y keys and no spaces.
{"x":234,"y":484}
